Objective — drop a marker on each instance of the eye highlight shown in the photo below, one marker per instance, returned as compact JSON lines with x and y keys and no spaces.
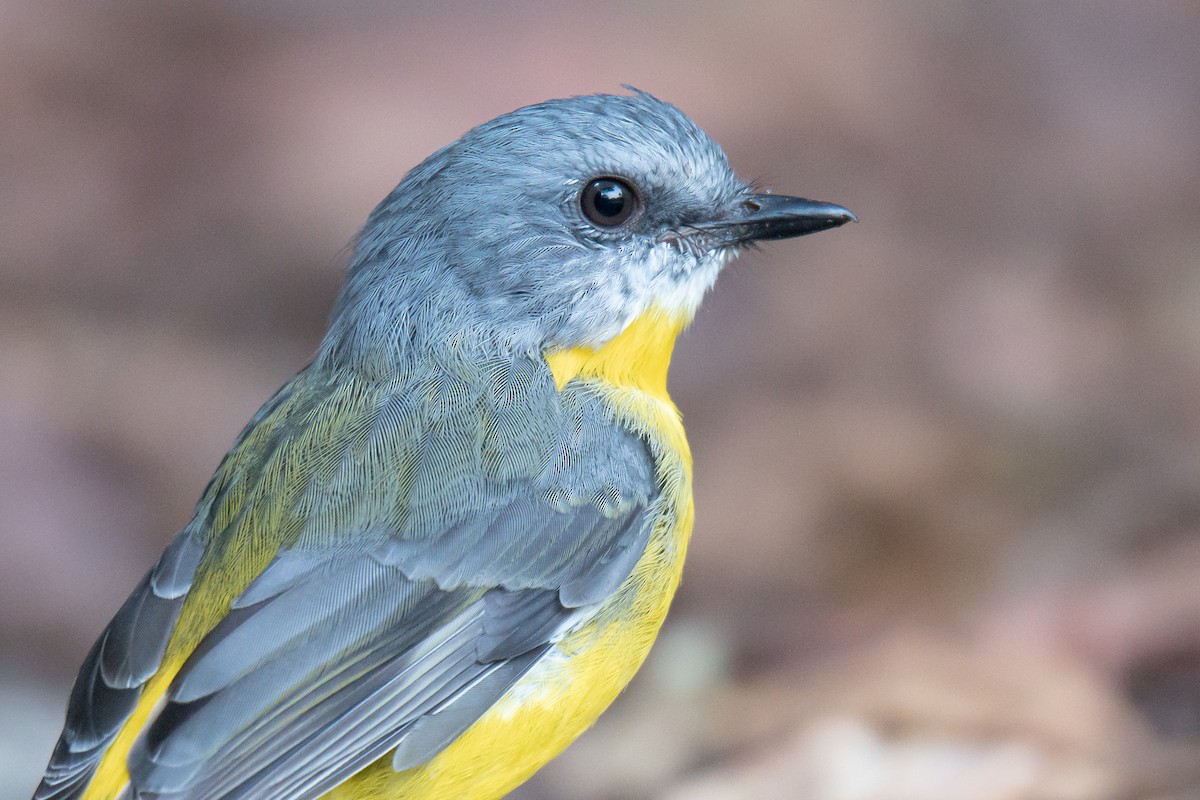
{"x":609,"y":202}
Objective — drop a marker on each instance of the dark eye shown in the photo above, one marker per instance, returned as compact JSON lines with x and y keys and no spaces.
{"x":609,"y":202}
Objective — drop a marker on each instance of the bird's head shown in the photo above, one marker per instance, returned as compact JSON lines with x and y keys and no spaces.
{"x":561,"y":223}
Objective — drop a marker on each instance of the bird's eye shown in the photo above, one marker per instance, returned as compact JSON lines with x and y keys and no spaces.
{"x":609,"y":202}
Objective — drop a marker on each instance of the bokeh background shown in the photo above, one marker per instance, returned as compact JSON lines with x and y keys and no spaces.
{"x":948,"y":459}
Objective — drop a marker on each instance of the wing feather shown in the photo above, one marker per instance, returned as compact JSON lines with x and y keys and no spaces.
{"x":433,"y":538}
{"x":111,"y":679}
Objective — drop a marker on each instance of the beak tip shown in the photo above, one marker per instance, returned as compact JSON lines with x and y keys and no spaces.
{"x":838,"y":215}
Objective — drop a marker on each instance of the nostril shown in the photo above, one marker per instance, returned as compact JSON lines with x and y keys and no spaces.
{"x":752,"y":206}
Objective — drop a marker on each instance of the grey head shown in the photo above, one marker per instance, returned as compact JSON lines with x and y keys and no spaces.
{"x":555,"y":226}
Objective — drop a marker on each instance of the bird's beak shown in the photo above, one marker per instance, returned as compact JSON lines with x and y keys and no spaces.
{"x":761,"y":217}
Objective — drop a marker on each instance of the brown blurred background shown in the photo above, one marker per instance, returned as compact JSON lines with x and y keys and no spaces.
{"x":948,"y":459}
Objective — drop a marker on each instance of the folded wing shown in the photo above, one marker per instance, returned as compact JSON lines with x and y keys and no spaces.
{"x":447,"y":533}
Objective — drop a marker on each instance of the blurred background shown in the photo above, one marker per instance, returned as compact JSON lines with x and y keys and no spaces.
{"x":947,"y":459}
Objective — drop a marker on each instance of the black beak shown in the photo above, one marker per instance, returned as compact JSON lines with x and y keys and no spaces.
{"x":761,"y":217}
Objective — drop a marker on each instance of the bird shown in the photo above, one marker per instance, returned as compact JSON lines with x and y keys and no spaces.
{"x":436,"y":555}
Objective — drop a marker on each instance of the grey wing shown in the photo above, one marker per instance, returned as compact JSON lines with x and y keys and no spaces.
{"x":116,"y":669}
{"x":396,"y":643}
{"x":328,"y":663}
